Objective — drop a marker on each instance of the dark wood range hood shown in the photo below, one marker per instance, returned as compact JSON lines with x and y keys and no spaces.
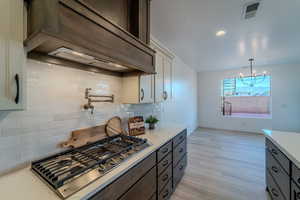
{"x":107,"y":36}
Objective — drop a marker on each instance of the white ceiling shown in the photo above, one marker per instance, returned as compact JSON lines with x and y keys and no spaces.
{"x":188,"y":27}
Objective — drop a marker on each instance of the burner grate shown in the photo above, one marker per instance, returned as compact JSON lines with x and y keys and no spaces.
{"x":104,"y":155}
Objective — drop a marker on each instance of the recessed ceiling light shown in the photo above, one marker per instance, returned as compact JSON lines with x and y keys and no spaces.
{"x":221,"y":33}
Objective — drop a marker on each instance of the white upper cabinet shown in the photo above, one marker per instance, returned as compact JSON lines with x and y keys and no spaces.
{"x":137,"y":89}
{"x":163,"y":69}
{"x":12,"y":55}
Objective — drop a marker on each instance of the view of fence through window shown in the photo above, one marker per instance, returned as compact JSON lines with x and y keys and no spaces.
{"x":247,"y":97}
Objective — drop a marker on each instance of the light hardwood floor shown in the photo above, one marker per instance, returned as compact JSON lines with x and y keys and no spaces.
{"x":223,"y":165}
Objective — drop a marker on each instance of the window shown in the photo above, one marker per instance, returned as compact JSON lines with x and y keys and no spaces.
{"x":247,"y":97}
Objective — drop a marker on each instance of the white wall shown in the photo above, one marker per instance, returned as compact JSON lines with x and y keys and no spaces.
{"x":54,"y":98}
{"x":285,"y":100}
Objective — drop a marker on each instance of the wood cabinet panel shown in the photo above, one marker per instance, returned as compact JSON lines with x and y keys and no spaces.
{"x":146,"y":89}
{"x":164,"y":150}
{"x":273,"y":188}
{"x":163,"y":179}
{"x":178,"y":171}
{"x":296,"y":174}
{"x":179,"y":152}
{"x":164,"y":163}
{"x":121,"y":185}
{"x":12,"y":55}
{"x":167,"y":79}
{"x":179,"y":138}
{"x":279,"y":156}
{"x":144,"y":188}
{"x":166,"y":192}
{"x":159,"y":77}
{"x":295,"y":194}
{"x":279,"y":175}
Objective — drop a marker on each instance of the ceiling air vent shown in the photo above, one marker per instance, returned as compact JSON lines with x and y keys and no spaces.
{"x":250,"y":9}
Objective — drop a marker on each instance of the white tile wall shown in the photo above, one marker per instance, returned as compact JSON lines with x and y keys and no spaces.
{"x":54,"y":98}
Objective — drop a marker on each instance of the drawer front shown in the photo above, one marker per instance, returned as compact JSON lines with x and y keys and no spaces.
{"x":296,"y":174}
{"x":122,"y":184}
{"x":178,"y":170}
{"x":164,"y":150}
{"x":164,"y":178}
{"x":280,"y":157}
{"x":144,"y":188}
{"x":179,"y":138}
{"x":166,"y":192}
{"x":273,"y":189}
{"x":279,"y":175}
{"x":295,"y":192}
{"x":164,"y":163}
{"x":179,"y":152}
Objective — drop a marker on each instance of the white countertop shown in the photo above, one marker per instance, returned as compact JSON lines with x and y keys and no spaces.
{"x":23,"y":184}
{"x":287,"y":142}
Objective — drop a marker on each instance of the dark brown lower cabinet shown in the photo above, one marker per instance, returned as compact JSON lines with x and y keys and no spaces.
{"x":154,"y":178}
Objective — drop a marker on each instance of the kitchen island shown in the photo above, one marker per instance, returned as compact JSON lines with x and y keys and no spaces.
{"x":283,"y":164}
{"x":23,"y":184}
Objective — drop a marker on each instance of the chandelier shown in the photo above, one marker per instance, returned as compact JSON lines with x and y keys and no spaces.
{"x":254,"y":78}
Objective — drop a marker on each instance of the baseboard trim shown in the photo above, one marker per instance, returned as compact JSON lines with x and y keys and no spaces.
{"x":235,"y":131}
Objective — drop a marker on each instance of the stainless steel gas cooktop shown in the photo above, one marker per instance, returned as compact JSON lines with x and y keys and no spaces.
{"x":71,"y":170}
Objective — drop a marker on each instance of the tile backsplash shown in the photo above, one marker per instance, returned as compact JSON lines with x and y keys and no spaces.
{"x":55,"y":96}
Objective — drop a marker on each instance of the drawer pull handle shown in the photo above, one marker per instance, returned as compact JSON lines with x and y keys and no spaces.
{"x":166,"y":194}
{"x":181,"y":150}
{"x":275,"y":169}
{"x":274,"y":192}
{"x":165,"y":177}
{"x":274,"y":152}
{"x":298,"y":180}
{"x":165,"y":150}
{"x":181,"y":137}
{"x":297,"y":195}
{"x":165,"y":163}
{"x":181,"y":167}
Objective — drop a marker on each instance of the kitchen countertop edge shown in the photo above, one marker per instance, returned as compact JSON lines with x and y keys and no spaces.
{"x":286,"y":142}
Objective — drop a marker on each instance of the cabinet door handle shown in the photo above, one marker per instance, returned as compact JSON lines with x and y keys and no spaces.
{"x":180,"y":150}
{"x":274,"y":152}
{"x":275,"y":169}
{"x":142,"y":94}
{"x":181,"y":167}
{"x":165,"y":150}
{"x":165,"y":163}
{"x":166,"y":194}
{"x":17,"y":79}
{"x":165,"y":177}
{"x":274,"y":192}
{"x":297,"y":195}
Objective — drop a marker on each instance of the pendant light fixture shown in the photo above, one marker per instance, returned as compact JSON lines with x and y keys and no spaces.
{"x":254,"y":78}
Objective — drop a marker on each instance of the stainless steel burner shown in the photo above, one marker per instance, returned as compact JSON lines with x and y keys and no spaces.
{"x":69,"y":171}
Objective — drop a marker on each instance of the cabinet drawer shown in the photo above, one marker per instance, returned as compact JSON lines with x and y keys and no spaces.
{"x":279,"y":175}
{"x":179,"y":152}
{"x":164,"y":150}
{"x":280,"y":157}
{"x":166,"y":192}
{"x":295,"y":192}
{"x":144,"y":188}
{"x":178,"y":170}
{"x":179,"y":138}
{"x":164,"y":163}
{"x":164,"y":178}
{"x":273,"y":189}
{"x":116,"y":189}
{"x":296,"y":174}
